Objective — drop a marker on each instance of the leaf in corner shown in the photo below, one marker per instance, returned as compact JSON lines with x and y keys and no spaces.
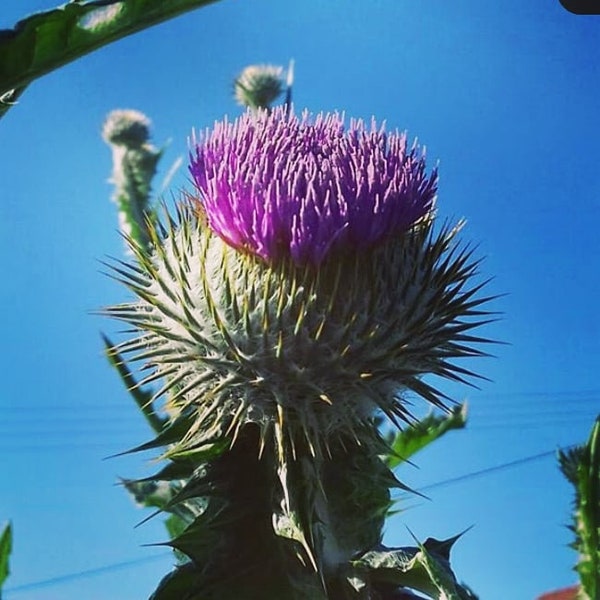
{"x":5,"y":549}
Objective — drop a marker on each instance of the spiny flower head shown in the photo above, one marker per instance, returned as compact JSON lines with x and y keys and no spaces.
{"x":258,"y":86}
{"x":278,"y":185}
{"x":309,"y":291}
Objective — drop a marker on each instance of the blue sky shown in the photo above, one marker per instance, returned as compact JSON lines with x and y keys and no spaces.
{"x":504,"y":95}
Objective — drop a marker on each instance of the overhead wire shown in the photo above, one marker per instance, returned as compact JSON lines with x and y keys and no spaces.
{"x":575,"y":395}
{"x":64,"y":428}
{"x":489,"y":470}
{"x":61,"y":579}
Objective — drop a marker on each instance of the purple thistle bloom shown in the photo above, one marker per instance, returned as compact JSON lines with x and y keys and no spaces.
{"x":278,"y":185}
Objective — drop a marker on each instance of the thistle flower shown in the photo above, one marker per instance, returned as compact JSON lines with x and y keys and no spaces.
{"x":277,"y":185}
{"x":258,"y":86}
{"x":305,"y":291}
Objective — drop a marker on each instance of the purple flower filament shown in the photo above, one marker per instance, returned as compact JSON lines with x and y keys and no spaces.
{"x":278,"y":185}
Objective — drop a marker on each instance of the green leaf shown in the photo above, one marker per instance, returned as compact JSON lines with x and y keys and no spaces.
{"x":414,"y":438}
{"x":357,"y":486}
{"x":202,"y":453}
{"x":424,"y":568}
{"x":172,"y":471}
{"x":581,"y":467}
{"x":142,"y":398}
{"x":175,"y":527}
{"x":47,"y":40}
{"x":190,"y":583}
{"x":150,"y":494}
{"x":179,"y":584}
{"x":171,"y":434}
{"x":5,"y":550}
{"x":202,"y":539}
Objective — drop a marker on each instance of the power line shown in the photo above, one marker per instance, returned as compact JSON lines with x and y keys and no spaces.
{"x":489,"y":470}
{"x":74,"y":427}
{"x":59,"y":439}
{"x":107,"y":429}
{"x":84,"y":426}
{"x":573,"y":395}
{"x":83,"y":574}
{"x":84,"y":416}
{"x":533,"y":394}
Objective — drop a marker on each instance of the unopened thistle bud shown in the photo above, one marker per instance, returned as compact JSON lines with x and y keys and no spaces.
{"x":305,"y":289}
{"x":134,"y":166}
{"x":258,"y":86}
{"x":129,"y":128}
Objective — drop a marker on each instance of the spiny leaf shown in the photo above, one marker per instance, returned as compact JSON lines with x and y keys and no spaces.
{"x":171,"y":434}
{"x":202,"y":539}
{"x":142,"y":398}
{"x":180,"y":584}
{"x":420,"y":434}
{"x":202,"y":453}
{"x":424,"y":568}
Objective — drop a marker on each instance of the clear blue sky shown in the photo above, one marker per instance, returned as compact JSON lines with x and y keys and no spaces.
{"x":504,"y":94}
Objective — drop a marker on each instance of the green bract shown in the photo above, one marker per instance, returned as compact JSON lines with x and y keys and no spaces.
{"x":258,"y":86}
{"x":307,"y":354}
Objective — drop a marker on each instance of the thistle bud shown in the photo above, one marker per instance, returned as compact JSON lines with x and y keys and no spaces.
{"x":258,"y":86}
{"x":134,"y":165}
{"x":129,"y":128}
